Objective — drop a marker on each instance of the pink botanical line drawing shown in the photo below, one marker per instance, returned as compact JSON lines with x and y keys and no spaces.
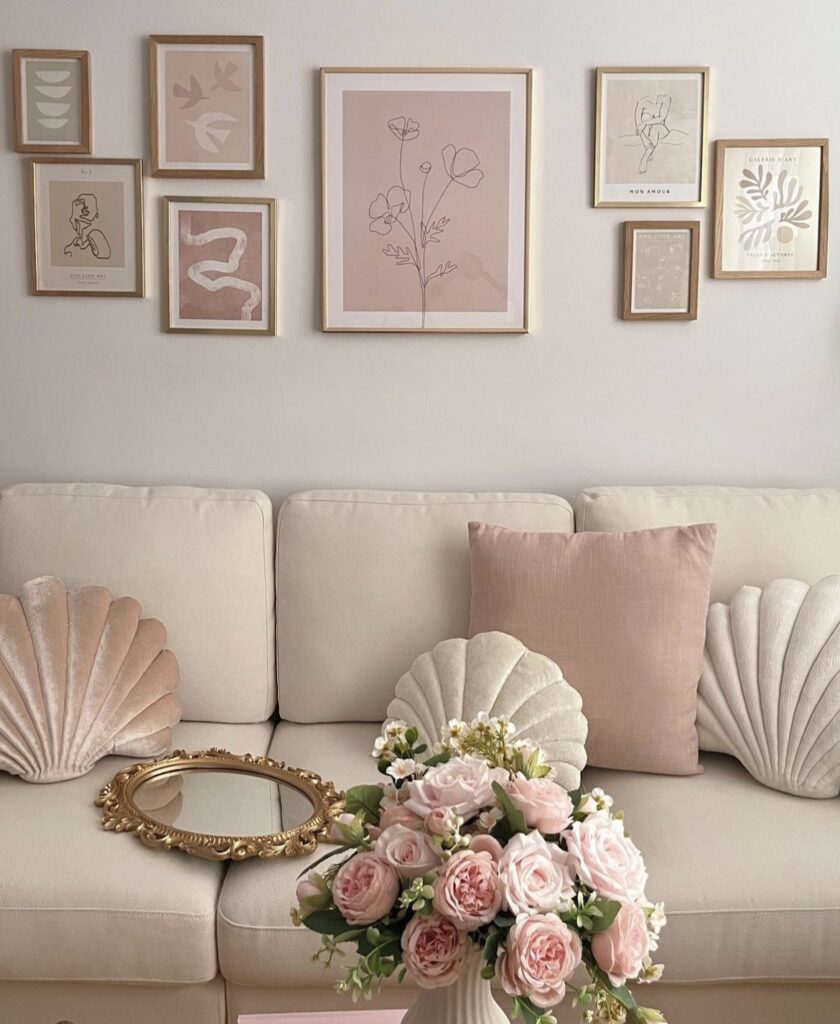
{"x":763,"y":209}
{"x":197,"y":272}
{"x":393,"y":208}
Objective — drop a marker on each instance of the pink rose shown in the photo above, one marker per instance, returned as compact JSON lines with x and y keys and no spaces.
{"x":434,"y":950}
{"x":540,"y":953}
{"x":536,"y":875}
{"x":546,"y":805}
{"x":606,"y":860}
{"x":312,"y":893}
{"x":485,"y":843}
{"x":469,"y":890}
{"x":442,"y":821}
{"x":346,"y":819}
{"x":409,"y":852}
{"x":620,"y":949}
{"x":365,"y":888}
{"x":397,"y":814}
{"x":464,"y":784}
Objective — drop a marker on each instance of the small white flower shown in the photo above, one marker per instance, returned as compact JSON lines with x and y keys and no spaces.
{"x":650,"y":971}
{"x":603,"y":800}
{"x":653,"y":942}
{"x":487,"y":819}
{"x":396,"y":730}
{"x":657,"y":919}
{"x":402,"y":768}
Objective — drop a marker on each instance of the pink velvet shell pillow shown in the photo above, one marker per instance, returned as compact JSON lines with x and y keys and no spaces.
{"x":622,"y":614}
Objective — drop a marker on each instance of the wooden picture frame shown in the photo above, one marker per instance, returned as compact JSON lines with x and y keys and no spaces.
{"x":771,"y":208}
{"x":658,"y":285}
{"x":52,"y":106}
{"x":661,"y":125}
{"x":451,"y":139}
{"x":86,"y":227}
{"x":223,"y":227}
{"x":201,"y":75}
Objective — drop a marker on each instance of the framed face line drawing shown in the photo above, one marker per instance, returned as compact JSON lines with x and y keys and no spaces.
{"x":52,"y":101}
{"x":207,"y":102}
{"x":425,"y":199}
{"x":651,"y":133}
{"x":221,"y":260}
{"x":87,"y":227}
{"x":661,"y":269}
{"x":771,"y":208}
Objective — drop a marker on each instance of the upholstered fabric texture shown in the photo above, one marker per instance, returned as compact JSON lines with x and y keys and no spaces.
{"x":200,"y":560}
{"x":763,"y":533}
{"x":623,"y":615}
{"x":770,"y":689}
{"x":81,"y":676}
{"x":496,"y":673}
{"x":367,"y":580}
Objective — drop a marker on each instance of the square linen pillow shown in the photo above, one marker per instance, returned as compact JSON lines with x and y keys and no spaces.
{"x":622,"y":614}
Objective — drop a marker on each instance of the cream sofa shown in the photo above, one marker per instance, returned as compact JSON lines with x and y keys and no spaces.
{"x":95,"y":928}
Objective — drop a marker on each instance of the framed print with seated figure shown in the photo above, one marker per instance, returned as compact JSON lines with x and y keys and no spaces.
{"x":650,"y":136}
{"x":87,"y":227}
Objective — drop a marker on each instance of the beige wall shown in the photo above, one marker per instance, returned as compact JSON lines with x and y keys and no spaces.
{"x":90,"y":389}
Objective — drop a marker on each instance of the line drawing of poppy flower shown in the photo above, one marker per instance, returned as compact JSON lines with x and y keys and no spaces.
{"x":404,"y":128}
{"x":385,"y":210}
{"x":462,"y":166}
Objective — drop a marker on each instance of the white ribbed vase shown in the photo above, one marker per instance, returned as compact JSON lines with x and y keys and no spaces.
{"x":469,"y":1001}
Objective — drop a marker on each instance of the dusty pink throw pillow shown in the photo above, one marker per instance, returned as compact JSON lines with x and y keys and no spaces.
{"x":622,"y":614}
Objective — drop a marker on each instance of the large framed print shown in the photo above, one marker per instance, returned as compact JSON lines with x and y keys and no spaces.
{"x":661,"y":269}
{"x":52,"y":101}
{"x":651,"y":127}
{"x":87,"y":227}
{"x":221,"y":258}
{"x":425,"y":193}
{"x":771,"y":208}
{"x":207,"y":106}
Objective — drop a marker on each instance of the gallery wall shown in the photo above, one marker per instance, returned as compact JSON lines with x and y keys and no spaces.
{"x":92,"y":389}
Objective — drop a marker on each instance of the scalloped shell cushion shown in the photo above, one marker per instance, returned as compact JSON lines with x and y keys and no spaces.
{"x":494,"y":672}
{"x":81,"y":676}
{"x":770,"y":690}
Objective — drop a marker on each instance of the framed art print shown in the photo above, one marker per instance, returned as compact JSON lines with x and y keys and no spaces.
{"x":207,"y":106}
{"x":425,"y":191}
{"x":221,"y":260}
{"x":87,"y":227}
{"x":52,"y":101}
{"x":661,"y":269}
{"x":771,"y":208}
{"x":650,"y":136}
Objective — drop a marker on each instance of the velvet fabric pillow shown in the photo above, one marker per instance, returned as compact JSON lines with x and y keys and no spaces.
{"x":622,"y":614}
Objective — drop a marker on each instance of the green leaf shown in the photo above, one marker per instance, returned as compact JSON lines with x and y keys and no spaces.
{"x":504,"y":920}
{"x":327,"y":922}
{"x":607,"y":909}
{"x":574,"y":796}
{"x":365,"y":799}
{"x":514,"y":817}
{"x":437,"y":759}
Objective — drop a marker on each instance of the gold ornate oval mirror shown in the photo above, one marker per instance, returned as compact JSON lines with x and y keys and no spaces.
{"x":221,"y":806}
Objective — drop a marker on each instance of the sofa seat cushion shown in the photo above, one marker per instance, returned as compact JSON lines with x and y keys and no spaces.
{"x":81,"y":904}
{"x":749,"y":875}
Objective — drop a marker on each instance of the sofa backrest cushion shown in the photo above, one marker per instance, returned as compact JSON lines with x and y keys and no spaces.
{"x":763,"y":533}
{"x":199,"y":560}
{"x":368,"y":580}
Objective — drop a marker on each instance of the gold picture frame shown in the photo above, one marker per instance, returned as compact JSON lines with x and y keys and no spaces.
{"x":636,"y":192}
{"x":211,"y":128}
{"x":665,"y":280}
{"x":120,"y":812}
{"x":106,"y":276}
{"x":173,"y":321}
{"x":790,"y":207}
{"x":518,"y":279}
{"x":53,"y":102}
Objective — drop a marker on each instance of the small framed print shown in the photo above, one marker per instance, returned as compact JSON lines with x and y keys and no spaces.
{"x":52,"y":101}
{"x":771,"y":208}
{"x":651,"y":126}
{"x":425,"y":191}
{"x":661,"y":269}
{"x":87,"y":227}
{"x":207,"y":106}
{"x":221,"y":265}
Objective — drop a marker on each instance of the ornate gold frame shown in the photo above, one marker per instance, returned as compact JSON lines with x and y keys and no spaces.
{"x":121,"y":814}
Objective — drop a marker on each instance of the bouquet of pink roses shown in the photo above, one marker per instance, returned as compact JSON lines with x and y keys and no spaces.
{"x":478,"y":848}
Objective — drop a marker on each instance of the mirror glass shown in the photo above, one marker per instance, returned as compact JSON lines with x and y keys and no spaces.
{"x":223,"y":803}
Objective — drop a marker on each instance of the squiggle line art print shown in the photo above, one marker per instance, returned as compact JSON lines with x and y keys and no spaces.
{"x":765,"y":210}
{"x":394,"y":209}
{"x":198,"y":272}
{"x":84,"y":212}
